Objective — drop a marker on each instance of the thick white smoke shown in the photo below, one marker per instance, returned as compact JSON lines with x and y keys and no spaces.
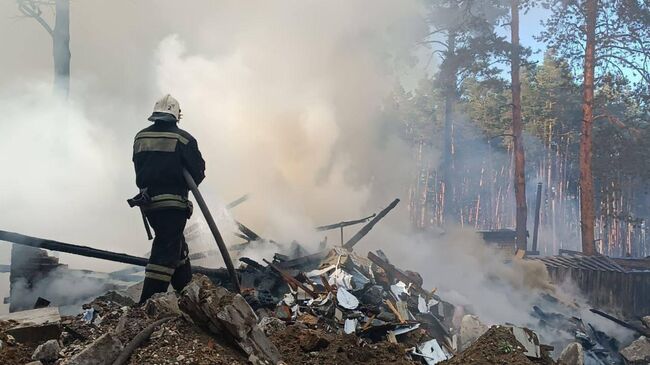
{"x":285,"y":99}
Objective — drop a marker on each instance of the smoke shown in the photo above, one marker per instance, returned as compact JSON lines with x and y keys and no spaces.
{"x":291,"y":113}
{"x":285,"y":100}
{"x":57,"y":289}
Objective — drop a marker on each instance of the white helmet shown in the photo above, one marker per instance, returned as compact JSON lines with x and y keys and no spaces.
{"x":168,"y":105}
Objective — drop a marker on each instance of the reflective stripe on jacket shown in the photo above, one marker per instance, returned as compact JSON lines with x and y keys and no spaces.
{"x":167,"y":201}
{"x":160,"y":153}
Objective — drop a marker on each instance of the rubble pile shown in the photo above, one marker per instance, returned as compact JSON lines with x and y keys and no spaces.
{"x":332,"y":307}
{"x":350,"y":294}
{"x":11,"y":351}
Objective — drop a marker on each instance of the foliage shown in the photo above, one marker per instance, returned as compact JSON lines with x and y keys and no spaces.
{"x":622,"y":37}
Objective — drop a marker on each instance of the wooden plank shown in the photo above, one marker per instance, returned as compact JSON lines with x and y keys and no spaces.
{"x":593,"y":265}
{"x":393,"y":309}
{"x":597,"y":264}
{"x":566,"y":262}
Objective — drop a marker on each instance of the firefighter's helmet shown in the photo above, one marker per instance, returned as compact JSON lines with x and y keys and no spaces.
{"x":168,"y":105}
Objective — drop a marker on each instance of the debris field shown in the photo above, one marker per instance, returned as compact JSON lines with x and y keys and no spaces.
{"x":331,"y":307}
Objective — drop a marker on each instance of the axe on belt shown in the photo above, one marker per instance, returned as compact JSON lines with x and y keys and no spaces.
{"x":138,"y":201}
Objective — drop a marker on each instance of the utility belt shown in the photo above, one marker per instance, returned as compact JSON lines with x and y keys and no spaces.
{"x":148,"y":203}
{"x":165,"y":201}
{"x":161,"y":201}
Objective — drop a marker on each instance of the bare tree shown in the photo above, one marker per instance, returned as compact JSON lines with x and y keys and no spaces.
{"x":60,"y":34}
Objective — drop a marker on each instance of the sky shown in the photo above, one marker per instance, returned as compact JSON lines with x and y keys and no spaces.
{"x":530,"y":27}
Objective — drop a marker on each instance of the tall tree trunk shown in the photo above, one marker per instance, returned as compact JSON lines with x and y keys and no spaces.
{"x":587,"y":214}
{"x":61,"y":47}
{"x":520,"y":159}
{"x":450,"y":74}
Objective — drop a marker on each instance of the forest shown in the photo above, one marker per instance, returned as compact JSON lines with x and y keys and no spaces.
{"x":574,"y":118}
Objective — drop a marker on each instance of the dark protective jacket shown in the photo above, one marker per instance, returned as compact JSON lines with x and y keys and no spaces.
{"x":160,"y":152}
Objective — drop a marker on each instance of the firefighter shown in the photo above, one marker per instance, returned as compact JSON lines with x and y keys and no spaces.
{"x":160,"y":153}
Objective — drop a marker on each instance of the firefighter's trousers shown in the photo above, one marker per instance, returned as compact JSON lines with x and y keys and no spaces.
{"x":168,"y":262}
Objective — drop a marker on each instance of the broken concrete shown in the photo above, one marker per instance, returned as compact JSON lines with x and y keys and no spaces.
{"x":103,"y":351}
{"x":638,"y":352}
{"x":163,"y":305}
{"x":471,"y":328}
{"x":36,"y":325}
{"x":271,"y":325}
{"x":646,"y":321}
{"x":221,"y":311}
{"x":48,"y":351}
{"x":573,"y":354}
{"x":529,"y":340}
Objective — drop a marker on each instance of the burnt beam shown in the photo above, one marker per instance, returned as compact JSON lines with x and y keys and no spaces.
{"x":365,"y":229}
{"x":344,"y":224}
{"x":86,"y":251}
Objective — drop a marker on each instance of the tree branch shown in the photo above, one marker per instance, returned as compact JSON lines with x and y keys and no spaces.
{"x":643,"y":73}
{"x":440,"y":43}
{"x":33,"y":11}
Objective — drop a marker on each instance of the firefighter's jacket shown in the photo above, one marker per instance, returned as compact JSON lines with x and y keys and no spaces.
{"x":160,"y":153}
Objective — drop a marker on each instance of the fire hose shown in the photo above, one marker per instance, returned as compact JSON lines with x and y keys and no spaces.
{"x":213,"y":228}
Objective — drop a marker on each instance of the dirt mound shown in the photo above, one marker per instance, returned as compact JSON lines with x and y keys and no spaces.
{"x":12,"y":352}
{"x":497,"y":346}
{"x":180,"y":342}
{"x":301,"y":345}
